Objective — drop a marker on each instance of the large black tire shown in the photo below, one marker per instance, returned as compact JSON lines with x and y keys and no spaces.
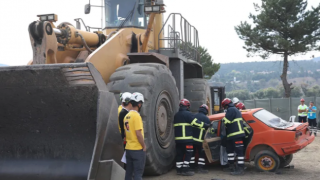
{"x":159,"y":89}
{"x":285,"y":161}
{"x":266,"y":160}
{"x":197,"y":91}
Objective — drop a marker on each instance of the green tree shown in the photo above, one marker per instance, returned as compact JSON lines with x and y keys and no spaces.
{"x":208,"y":66}
{"x":282,"y":27}
{"x":295,"y":92}
{"x":241,"y":94}
{"x":314,"y":91}
{"x":259,"y":94}
{"x":271,"y":93}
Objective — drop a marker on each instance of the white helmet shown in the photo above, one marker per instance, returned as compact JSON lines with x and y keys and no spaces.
{"x":235,"y":100}
{"x":137,"y":97}
{"x":125,"y":97}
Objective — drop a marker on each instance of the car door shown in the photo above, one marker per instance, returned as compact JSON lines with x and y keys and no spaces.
{"x":212,"y":142}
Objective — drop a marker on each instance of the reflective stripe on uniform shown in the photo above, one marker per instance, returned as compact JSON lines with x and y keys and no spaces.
{"x":194,"y":123}
{"x":184,"y":137}
{"x":199,"y":139}
{"x":201,"y":163}
{"x":240,"y":162}
{"x":226,"y":121}
{"x":237,"y":120}
{"x":201,"y":159}
{"x":247,"y":130}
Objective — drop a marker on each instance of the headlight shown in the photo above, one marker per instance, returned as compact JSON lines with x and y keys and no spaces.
{"x":48,"y":17}
{"x":148,"y":9}
{"x":156,"y":8}
{"x":51,"y":17}
{"x":43,"y":18}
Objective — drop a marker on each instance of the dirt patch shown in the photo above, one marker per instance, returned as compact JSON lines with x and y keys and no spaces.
{"x":306,"y":166}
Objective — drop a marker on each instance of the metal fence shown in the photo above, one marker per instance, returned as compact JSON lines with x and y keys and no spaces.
{"x":283,"y":107}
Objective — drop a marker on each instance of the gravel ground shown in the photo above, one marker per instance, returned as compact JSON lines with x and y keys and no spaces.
{"x":306,"y":166}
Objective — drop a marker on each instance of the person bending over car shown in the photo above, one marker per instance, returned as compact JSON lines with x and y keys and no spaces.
{"x":235,"y":136}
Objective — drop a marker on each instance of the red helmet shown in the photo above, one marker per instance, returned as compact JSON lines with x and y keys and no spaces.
{"x":225,"y":102}
{"x":302,"y":100}
{"x":204,"y":106}
{"x":240,"y":106}
{"x":184,"y":102}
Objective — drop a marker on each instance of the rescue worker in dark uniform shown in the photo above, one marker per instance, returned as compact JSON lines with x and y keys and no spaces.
{"x":184,"y":120}
{"x":235,"y":136}
{"x":198,"y":136}
{"x":240,"y":106}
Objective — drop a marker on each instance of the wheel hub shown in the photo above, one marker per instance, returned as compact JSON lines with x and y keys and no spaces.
{"x":164,"y":120}
{"x":266,"y":162}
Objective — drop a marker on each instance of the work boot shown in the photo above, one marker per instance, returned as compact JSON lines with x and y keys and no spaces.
{"x":238,"y":171}
{"x":202,"y":170}
{"x":179,"y":171}
{"x":187,"y":172}
{"x":192,"y":167}
{"x":231,"y":168}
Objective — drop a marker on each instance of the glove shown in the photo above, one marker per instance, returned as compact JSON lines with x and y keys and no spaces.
{"x":206,"y":126}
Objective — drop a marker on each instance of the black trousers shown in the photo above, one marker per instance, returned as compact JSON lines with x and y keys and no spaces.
{"x":313,"y":125}
{"x":135,"y":164}
{"x":183,"y":150}
{"x":302,"y":119}
{"x":235,"y":146}
{"x":201,"y":154}
{"x":312,"y":122}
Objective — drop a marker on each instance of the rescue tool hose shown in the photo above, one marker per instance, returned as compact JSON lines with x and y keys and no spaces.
{"x":84,"y":42}
{"x":112,"y":33}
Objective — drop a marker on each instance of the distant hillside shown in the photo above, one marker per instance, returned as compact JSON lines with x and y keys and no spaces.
{"x":269,"y":66}
{"x":254,"y":76}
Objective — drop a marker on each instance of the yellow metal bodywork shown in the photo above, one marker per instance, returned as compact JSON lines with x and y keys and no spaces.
{"x":111,"y":54}
{"x":92,"y":39}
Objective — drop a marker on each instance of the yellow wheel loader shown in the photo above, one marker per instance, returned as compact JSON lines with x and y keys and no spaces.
{"x":59,"y":113}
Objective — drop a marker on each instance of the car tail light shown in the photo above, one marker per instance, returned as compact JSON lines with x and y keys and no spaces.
{"x":298,"y":134}
{"x":307,"y":131}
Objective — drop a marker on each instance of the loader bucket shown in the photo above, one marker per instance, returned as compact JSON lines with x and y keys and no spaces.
{"x":58,"y":122}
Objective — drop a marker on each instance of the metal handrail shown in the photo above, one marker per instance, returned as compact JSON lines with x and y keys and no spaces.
{"x":185,"y":42}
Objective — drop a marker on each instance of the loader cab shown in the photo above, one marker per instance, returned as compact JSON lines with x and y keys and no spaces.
{"x":116,"y":12}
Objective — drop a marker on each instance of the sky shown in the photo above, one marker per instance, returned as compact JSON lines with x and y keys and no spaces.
{"x":214,"y":19}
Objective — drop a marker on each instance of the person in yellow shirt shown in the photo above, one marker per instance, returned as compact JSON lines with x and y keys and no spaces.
{"x":135,"y":147}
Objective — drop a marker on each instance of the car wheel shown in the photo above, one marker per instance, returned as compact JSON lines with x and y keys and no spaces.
{"x":286,"y":160}
{"x":267,"y":161}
